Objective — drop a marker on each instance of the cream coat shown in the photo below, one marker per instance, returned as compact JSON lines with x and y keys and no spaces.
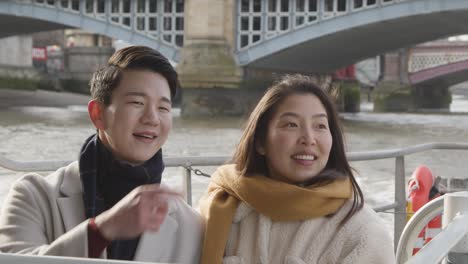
{"x":255,"y":239}
{"x":45,"y":216}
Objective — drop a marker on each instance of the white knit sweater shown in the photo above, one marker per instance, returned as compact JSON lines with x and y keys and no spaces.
{"x":255,"y":239}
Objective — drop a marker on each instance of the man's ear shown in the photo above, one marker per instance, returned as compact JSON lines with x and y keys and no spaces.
{"x":259,"y":147}
{"x":95,"y":111}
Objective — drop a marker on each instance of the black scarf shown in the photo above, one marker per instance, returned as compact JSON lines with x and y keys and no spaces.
{"x":106,"y":181}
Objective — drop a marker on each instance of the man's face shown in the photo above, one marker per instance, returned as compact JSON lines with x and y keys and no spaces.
{"x":137,"y":122}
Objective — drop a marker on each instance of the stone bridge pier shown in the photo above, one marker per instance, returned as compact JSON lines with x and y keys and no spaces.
{"x":207,"y":61}
{"x":419,"y":78}
{"x":213,"y":83}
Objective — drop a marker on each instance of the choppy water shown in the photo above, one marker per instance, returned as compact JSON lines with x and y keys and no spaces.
{"x":56,"y":133}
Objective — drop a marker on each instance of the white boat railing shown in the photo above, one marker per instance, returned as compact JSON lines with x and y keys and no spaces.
{"x":453,"y":237}
{"x":22,"y":259}
{"x":418,"y":221}
{"x":399,"y":204}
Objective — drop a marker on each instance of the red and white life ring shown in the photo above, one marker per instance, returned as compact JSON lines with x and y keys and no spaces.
{"x":419,"y":193}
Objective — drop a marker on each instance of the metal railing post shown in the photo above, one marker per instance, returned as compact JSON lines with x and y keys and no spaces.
{"x":188,"y":185}
{"x":320,"y":10}
{"x":400,"y":198}
{"x":82,"y":7}
{"x":133,"y":17}
{"x":107,"y":10}
{"x":349,"y":6}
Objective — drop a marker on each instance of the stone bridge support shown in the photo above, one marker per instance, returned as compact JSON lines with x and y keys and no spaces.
{"x":16,"y":68}
{"x":395,"y":93}
{"x":432,"y":97}
{"x":210,"y":77}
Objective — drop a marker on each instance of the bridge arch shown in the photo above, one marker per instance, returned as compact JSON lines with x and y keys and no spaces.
{"x":30,"y":16}
{"x":344,"y":38}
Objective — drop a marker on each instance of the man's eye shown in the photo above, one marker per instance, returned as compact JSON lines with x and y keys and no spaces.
{"x":291,"y":124}
{"x":164,"y":109}
{"x":136,"y":102}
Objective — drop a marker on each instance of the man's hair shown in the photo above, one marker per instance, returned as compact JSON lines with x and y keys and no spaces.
{"x":106,"y":79}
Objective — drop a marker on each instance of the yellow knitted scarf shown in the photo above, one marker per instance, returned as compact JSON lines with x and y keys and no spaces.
{"x":277,"y":200}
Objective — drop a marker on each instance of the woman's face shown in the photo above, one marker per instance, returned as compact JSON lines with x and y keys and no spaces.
{"x":298,"y":139}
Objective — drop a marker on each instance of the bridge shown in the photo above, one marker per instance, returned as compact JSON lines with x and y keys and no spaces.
{"x":441,"y":65}
{"x":157,"y":24}
{"x":332,"y":34}
{"x":228,"y":44}
{"x":433,"y":68}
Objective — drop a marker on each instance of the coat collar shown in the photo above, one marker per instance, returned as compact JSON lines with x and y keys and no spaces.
{"x":71,"y":181}
{"x":243,"y":210}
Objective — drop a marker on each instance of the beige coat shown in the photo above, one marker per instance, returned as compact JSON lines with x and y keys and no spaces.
{"x":255,"y":239}
{"x":45,"y":216}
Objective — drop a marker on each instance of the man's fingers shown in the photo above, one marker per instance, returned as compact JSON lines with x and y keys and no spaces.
{"x":159,"y":205}
{"x":159,"y":188}
{"x":144,"y":209}
{"x":163,"y":209}
{"x":156,"y":218}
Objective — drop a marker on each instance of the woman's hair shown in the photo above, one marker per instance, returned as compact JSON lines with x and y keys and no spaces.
{"x":248,"y":161}
{"x":106,"y":79}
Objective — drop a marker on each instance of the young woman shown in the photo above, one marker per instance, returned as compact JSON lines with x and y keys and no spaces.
{"x":291,"y":196}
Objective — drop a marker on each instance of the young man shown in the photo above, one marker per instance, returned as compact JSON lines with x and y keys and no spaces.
{"x":109,"y":203}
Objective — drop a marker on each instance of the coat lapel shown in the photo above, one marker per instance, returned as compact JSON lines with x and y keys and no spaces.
{"x":70,"y":203}
{"x":72,"y":210}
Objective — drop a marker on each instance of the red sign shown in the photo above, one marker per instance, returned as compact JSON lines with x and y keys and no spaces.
{"x":346,"y":73}
{"x":39,"y":54}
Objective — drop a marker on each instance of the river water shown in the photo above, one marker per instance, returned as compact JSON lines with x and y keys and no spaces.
{"x":42,"y":132}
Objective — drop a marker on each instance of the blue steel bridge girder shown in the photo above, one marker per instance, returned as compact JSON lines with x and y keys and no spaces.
{"x":334,"y":33}
{"x":54,"y":16}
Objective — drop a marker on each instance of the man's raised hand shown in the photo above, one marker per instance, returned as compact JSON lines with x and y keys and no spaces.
{"x":143,"y":209}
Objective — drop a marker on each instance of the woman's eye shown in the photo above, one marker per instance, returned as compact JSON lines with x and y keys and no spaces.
{"x":291,"y":124}
{"x":136,"y":102}
{"x":322,"y":126}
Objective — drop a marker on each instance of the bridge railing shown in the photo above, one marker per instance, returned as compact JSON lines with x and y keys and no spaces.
{"x":399,"y":154}
{"x":162,"y":20}
{"x":421,"y":61}
{"x":259,"y":20}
